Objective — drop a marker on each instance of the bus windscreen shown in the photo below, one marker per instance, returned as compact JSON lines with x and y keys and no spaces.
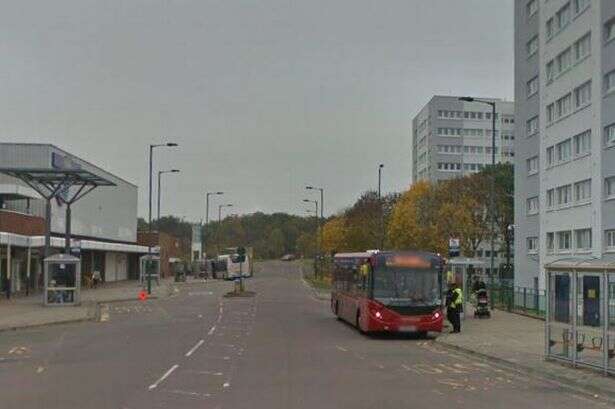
{"x":407,"y":287}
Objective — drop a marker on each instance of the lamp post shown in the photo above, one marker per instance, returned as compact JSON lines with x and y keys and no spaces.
{"x":315,"y":235}
{"x":381,"y":207}
{"x":160,"y":173}
{"x":207,"y":194}
{"x":220,"y":223}
{"x":491,"y":190}
{"x":322,"y":207}
{"x":149,"y":222}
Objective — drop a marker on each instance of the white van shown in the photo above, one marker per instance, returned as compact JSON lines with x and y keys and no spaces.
{"x":232,"y":268}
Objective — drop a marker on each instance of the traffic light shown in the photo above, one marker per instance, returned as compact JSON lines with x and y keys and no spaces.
{"x":241,"y":254}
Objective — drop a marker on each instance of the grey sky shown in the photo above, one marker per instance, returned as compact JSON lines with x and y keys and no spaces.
{"x":263,"y":96}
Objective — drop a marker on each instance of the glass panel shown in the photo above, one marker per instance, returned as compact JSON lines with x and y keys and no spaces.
{"x":61,"y":275}
{"x":590,"y":347}
{"x":560,"y":298}
{"x":560,"y":342}
{"x":60,"y":296}
{"x":611,"y":299}
{"x":588,"y":301}
{"x":611,"y":344}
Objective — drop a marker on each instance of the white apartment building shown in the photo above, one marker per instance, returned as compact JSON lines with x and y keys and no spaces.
{"x":565,"y":133}
{"x":452,"y":138}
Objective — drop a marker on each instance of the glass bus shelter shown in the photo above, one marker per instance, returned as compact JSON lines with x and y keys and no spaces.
{"x":462,"y":270}
{"x":62,"y":280}
{"x":580,"y":316}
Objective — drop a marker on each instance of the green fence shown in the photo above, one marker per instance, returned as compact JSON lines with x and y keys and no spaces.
{"x":520,"y":299}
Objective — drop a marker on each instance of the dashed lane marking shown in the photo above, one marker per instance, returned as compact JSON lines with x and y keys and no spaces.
{"x":341,"y":348}
{"x":163,"y":377}
{"x":211,"y":330}
{"x":194,"y":348}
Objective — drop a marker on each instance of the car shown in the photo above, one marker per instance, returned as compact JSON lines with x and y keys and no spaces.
{"x":288,"y":257}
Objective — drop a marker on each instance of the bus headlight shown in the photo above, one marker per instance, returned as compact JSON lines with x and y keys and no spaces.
{"x":436,"y":315}
{"x":378,"y":315}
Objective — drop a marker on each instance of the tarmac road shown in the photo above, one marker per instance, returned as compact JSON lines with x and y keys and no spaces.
{"x":279,"y":350}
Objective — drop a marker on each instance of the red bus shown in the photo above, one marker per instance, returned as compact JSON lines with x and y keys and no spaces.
{"x":389,"y":291}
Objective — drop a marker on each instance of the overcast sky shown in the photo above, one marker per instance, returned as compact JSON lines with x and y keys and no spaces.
{"x":263,"y":96}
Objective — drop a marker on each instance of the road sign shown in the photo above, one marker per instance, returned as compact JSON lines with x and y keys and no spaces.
{"x":454,"y":247}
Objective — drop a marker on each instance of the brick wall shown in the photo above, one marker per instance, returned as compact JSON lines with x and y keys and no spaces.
{"x":20,"y":223}
{"x":170,"y":247}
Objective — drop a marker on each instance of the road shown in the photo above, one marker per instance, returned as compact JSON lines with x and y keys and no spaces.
{"x":279,"y":350}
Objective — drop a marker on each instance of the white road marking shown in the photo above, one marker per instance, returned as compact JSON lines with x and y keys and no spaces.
{"x":194,"y":348}
{"x":226,"y":385}
{"x":341,"y":348}
{"x":211,"y":330}
{"x":40,"y":369}
{"x":200,"y":315}
{"x":163,"y":377}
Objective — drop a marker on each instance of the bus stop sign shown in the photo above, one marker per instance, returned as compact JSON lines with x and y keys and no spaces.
{"x":454,"y":249}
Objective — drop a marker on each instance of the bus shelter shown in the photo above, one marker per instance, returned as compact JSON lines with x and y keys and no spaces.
{"x":149,"y":265}
{"x":580,"y":316}
{"x":462,"y":270}
{"x":62,"y":280}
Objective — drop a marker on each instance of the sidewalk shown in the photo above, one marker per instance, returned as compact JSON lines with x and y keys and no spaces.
{"x":24,"y":312}
{"x":517,"y":341}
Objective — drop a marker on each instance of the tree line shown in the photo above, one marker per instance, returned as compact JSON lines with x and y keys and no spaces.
{"x":423,"y":217}
{"x":426,"y":215}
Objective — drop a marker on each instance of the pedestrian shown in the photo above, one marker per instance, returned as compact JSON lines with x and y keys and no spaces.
{"x":454,"y":307}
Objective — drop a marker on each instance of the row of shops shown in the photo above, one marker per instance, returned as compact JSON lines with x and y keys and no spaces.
{"x":96,"y":209}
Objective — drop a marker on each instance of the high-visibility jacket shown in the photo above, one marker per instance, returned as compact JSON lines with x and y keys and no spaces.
{"x":457,"y":300}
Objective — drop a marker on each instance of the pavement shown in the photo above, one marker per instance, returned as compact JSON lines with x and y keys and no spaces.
{"x":281,"y":349}
{"x":28,"y":311}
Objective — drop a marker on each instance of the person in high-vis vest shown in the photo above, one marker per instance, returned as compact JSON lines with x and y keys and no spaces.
{"x":454,"y":307}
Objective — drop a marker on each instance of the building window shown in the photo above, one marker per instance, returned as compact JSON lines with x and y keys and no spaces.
{"x":550,"y":242}
{"x":550,"y":28}
{"x":609,"y":135}
{"x":532,"y":87}
{"x":562,"y":17}
{"x":532,"y":244}
{"x":550,"y":156}
{"x":580,"y":5}
{"x":610,"y":239}
{"x":609,"y":187}
{"x":532,"y":46}
{"x":609,"y":30}
{"x":532,"y":165}
{"x":583,"y":239}
{"x":563,"y":105}
{"x":531,"y":7}
{"x":563,"y":151}
{"x":563,"y":61}
{"x":550,"y":71}
{"x":609,"y":82}
{"x":583,"y":143}
{"x":582,"y":48}
{"x":583,"y":95}
{"x":583,"y":191}
{"x":532,"y":205}
{"x":531,"y":126}
{"x":550,"y":113}
{"x":550,"y":198}
{"x":564,"y":195}
{"x":564,"y":240}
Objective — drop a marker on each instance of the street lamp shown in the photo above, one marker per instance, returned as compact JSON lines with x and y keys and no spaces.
{"x":322,"y":207}
{"x":220,"y":223}
{"x":381,"y":208}
{"x":149,"y":247}
{"x":491,"y":187}
{"x":160,"y":173}
{"x":316,"y":234}
{"x":207,"y":194}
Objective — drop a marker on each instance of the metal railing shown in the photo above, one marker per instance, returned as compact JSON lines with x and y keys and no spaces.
{"x":525,"y":300}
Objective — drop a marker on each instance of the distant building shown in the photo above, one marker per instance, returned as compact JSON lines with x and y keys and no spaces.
{"x":565,"y":128}
{"x":452,"y":138}
{"x":104,"y":223}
